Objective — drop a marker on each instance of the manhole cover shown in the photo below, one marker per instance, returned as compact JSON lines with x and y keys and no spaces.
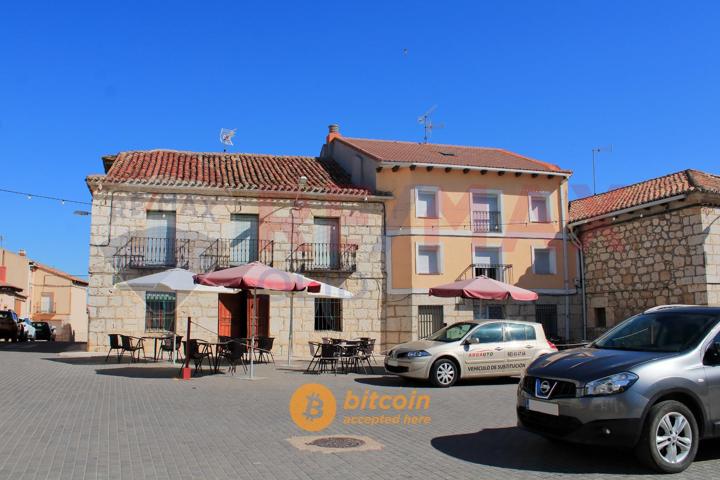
{"x":337,"y":442}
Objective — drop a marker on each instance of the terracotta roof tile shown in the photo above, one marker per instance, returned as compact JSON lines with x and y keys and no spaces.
{"x":430,"y":153}
{"x":678,"y":183}
{"x":229,"y":170}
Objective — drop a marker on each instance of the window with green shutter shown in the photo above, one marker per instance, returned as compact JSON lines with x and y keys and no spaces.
{"x":160,"y":311}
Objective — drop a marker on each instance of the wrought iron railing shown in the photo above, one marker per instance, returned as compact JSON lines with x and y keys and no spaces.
{"x":486,"y":221}
{"x":318,"y":257}
{"x":496,"y":271}
{"x":224,"y":253}
{"x":152,"y":252}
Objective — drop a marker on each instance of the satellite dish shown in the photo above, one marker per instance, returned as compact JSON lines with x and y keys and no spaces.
{"x":226,"y":136}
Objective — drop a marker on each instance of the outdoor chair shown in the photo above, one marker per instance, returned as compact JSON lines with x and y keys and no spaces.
{"x":365,"y":352}
{"x":197,"y":353}
{"x":329,"y":358}
{"x":234,"y":353}
{"x":167,"y":346}
{"x":349,"y":357}
{"x":115,"y":345}
{"x":133,"y":345}
{"x":315,"y":350}
{"x":265,"y":345}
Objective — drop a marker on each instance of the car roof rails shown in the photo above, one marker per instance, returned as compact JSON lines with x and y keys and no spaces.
{"x":668,"y":307}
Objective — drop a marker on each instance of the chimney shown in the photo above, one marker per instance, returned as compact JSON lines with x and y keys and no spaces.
{"x":333,"y":132}
{"x":22,"y":253}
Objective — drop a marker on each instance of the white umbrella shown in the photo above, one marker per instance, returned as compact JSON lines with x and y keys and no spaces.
{"x":173,"y":280}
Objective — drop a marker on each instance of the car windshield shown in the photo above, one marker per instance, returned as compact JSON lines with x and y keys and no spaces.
{"x":39,"y":324}
{"x":659,"y":332}
{"x":453,"y":333}
{"x":4,"y":315}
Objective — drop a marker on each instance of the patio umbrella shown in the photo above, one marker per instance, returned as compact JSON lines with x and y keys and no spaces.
{"x":483,"y":288}
{"x":173,"y":280}
{"x":258,"y":276}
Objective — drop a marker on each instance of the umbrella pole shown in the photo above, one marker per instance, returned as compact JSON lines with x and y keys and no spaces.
{"x":290,"y":333}
{"x":252,"y":334}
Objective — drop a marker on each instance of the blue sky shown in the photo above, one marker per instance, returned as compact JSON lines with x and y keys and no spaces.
{"x":547,"y":79}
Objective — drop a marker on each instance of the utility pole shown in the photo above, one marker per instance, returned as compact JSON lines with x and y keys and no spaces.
{"x":596,"y":151}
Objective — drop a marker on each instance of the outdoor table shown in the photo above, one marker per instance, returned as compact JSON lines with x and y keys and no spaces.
{"x":155,"y":340}
{"x":214,"y":357}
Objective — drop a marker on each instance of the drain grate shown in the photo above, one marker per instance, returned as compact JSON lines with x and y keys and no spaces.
{"x":337,"y":442}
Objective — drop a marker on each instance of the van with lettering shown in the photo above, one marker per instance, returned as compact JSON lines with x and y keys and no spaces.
{"x":488,"y":348}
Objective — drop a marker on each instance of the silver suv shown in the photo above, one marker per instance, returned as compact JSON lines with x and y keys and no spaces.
{"x":651,"y":383}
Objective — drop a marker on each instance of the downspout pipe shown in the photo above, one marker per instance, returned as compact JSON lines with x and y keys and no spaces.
{"x":566,"y":280}
{"x":578,"y":243}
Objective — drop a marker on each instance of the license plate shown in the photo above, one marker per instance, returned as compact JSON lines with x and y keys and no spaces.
{"x":543,"y":407}
{"x":392,"y":362}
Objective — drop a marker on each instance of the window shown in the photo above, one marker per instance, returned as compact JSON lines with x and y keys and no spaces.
{"x":600,"y":319}
{"x":540,"y":207}
{"x":430,"y":319}
{"x":160,"y":242}
{"x":328,"y":314}
{"x":46,"y":303}
{"x":492,"y":333}
{"x":160,"y":311}
{"x":428,"y":259}
{"x":547,"y":316}
{"x":483,"y":311}
{"x":486,"y":261}
{"x":544,"y":261}
{"x":517,"y":332}
{"x":243,"y":239}
{"x":326,"y":249}
{"x":426,"y":202}
{"x":485,"y":215}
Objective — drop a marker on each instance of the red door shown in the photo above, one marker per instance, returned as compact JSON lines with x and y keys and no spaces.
{"x":263,"y":319}
{"x":231,"y":315}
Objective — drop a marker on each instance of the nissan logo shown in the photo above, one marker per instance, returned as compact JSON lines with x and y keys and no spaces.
{"x":544,"y":387}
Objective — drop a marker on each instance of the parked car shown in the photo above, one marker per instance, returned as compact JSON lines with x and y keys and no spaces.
{"x":9,"y":326}
{"x":651,"y":383}
{"x":43,"y":331}
{"x":29,"y":331}
{"x":489,"y":348}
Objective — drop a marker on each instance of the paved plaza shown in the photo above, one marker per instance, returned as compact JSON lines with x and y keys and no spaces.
{"x":65,"y":415}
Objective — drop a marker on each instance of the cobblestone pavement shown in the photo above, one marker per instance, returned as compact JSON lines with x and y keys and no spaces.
{"x":67,"y":416}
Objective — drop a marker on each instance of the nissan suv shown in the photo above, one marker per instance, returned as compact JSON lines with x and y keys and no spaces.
{"x":651,"y":383}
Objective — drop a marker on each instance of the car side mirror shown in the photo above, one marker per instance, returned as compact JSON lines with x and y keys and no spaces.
{"x":471,"y":340}
{"x":712,"y":356}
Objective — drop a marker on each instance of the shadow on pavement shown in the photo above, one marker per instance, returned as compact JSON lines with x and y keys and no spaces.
{"x":42,"y":346}
{"x":395,"y":381}
{"x":515,"y":449}
{"x":142,"y":372}
{"x":97,"y":360}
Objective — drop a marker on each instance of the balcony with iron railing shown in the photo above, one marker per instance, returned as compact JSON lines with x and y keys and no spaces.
{"x":496,"y":271}
{"x":324,"y":257}
{"x":225,"y":253}
{"x":152,"y":252}
{"x":486,"y":222}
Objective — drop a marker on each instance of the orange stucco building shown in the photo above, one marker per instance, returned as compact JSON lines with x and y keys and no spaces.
{"x":453,"y":212}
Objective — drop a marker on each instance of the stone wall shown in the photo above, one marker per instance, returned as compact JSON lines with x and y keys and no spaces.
{"x":202,"y":219}
{"x":711,"y":230}
{"x":643,"y":262}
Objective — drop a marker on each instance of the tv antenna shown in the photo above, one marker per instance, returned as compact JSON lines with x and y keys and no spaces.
{"x":428,"y":124}
{"x":226,"y":136}
{"x":596,"y":151}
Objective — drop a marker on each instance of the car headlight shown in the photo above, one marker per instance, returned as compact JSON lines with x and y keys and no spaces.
{"x":417,"y":354}
{"x":611,"y":385}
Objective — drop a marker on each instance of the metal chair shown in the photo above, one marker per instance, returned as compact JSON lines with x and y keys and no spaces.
{"x":132,"y":345}
{"x":197,"y":354}
{"x":329,"y":357}
{"x":234,"y":353}
{"x":168,"y":346}
{"x":115,"y":345}
{"x":265,"y":345}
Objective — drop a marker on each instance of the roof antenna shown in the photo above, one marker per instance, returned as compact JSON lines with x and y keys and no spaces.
{"x":427,"y":123}
{"x":226,"y":136}
{"x":596,"y":151}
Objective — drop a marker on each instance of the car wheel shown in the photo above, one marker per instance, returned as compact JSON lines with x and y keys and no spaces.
{"x":444,"y":373}
{"x":670,"y":438}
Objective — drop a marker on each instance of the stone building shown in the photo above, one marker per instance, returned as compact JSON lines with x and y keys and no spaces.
{"x":652,"y":243}
{"x":154,"y":210}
